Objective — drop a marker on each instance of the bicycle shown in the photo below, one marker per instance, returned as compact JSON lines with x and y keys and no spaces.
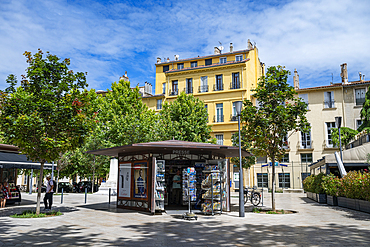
{"x":253,"y":196}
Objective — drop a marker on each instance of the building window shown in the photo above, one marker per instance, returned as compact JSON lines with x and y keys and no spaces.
{"x":220,"y":139}
{"x":306,"y":140}
{"x":329,"y":140}
{"x":189,"y":85}
{"x":208,"y":61}
{"x":285,"y":142}
{"x":203,"y":84}
{"x":180,"y":65}
{"x":194,"y":64}
{"x":360,"y":96}
{"x":234,"y":116}
{"x":329,"y":99}
{"x":222,"y":59}
{"x":284,"y":180}
{"x":175,"y":88}
{"x":166,"y":68}
{"x":159,"y":104}
{"x":219,"y":85}
{"x":262,"y":180}
{"x":219,"y":113}
{"x":164,"y":88}
{"x":304,"y":98}
{"x":358,"y":123}
{"x":238,"y":58}
{"x":285,"y":158}
{"x":306,"y":158}
{"x":235,"y":84}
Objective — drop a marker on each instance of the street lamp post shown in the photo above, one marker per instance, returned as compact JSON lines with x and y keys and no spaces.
{"x":238,"y":108}
{"x":338,"y":122}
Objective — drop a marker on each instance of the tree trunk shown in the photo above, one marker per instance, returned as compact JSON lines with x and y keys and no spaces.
{"x":39,"y":188}
{"x":273,"y":184}
{"x":93,"y":181}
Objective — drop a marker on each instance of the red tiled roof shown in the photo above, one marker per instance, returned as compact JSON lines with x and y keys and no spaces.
{"x":207,"y":66}
{"x":349,"y":84}
{"x":202,"y":57}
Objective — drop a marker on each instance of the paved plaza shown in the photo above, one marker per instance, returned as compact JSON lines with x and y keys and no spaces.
{"x":98,"y":224}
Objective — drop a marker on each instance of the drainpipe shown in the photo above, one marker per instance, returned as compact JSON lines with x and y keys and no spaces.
{"x":343,"y":110}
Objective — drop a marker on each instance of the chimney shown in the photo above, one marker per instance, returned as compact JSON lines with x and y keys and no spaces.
{"x":168,"y":59}
{"x":344,"y":73}
{"x":217,"y":51}
{"x":363,"y":77}
{"x":360,"y":74}
{"x":250,"y":45}
{"x":231,"y":47}
{"x":296,"y":79}
{"x":124,"y":77}
{"x":159,"y":60}
{"x":177,"y":57}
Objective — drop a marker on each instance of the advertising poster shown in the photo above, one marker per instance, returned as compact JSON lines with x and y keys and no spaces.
{"x":140,"y":177}
{"x":124,"y":183}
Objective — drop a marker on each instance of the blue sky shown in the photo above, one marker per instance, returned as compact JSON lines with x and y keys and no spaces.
{"x":107,"y":38}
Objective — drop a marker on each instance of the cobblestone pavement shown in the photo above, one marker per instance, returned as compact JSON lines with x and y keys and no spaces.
{"x":98,"y":224}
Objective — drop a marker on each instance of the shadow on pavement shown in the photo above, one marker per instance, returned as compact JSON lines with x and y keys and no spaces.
{"x":353,"y":214}
{"x":6,"y":212}
{"x":192,"y":233}
{"x":104,"y":206}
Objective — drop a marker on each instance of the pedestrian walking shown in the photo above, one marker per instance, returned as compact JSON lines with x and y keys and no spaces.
{"x":49,"y":193}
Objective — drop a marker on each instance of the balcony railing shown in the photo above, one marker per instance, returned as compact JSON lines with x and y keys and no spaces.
{"x":174,"y":92}
{"x":329,"y":104}
{"x":360,"y":101}
{"x":218,"y":87}
{"x":305,"y":145}
{"x":235,"y":85}
{"x":188,"y":90}
{"x":203,"y":89}
{"x":218,"y":118}
{"x":233,"y":118}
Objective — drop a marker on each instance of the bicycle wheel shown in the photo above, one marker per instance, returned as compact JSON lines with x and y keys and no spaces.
{"x":245,"y":198}
{"x":256,"y":198}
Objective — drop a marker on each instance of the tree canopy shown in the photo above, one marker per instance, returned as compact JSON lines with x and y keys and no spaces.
{"x":124,"y":119}
{"x":278,"y":112}
{"x":186,"y":119}
{"x":49,"y":113}
{"x":346,"y":135}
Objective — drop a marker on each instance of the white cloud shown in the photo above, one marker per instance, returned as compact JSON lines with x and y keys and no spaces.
{"x":106,"y":39}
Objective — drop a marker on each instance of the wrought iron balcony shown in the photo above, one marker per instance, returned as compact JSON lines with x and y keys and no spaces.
{"x":235,"y":85}
{"x":305,"y":144}
{"x":188,"y":90}
{"x":203,"y":89}
{"x":218,"y":118}
{"x":218,"y":87}
{"x":329,"y":104}
{"x":360,"y":101}
{"x":174,"y":92}
{"x":233,"y":118}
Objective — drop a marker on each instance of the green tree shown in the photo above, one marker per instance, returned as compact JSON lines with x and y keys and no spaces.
{"x":279,"y":112}
{"x":365,"y":113}
{"x":49,"y":113}
{"x":124,"y":119}
{"x":346,"y":135}
{"x":186,"y":119}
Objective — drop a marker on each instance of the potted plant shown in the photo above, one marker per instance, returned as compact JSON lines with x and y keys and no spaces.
{"x":331,"y":185}
{"x":308,"y":187}
{"x":318,"y":188}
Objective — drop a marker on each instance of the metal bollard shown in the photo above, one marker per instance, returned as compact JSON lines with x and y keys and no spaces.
{"x":61,"y":198}
{"x":109,"y":195}
{"x":85,"y":195}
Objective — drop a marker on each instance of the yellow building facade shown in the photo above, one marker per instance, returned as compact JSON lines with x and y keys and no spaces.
{"x":218,"y":80}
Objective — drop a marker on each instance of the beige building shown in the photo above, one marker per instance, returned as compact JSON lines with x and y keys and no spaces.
{"x":343,"y":99}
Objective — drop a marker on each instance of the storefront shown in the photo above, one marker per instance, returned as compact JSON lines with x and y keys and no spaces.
{"x":157,"y":176}
{"x":10,"y":162}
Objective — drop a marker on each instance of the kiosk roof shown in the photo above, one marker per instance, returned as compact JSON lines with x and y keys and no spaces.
{"x":168,"y":146}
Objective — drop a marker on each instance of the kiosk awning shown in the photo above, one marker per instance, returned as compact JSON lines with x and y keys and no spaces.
{"x":19,"y":161}
{"x":172,"y":146}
